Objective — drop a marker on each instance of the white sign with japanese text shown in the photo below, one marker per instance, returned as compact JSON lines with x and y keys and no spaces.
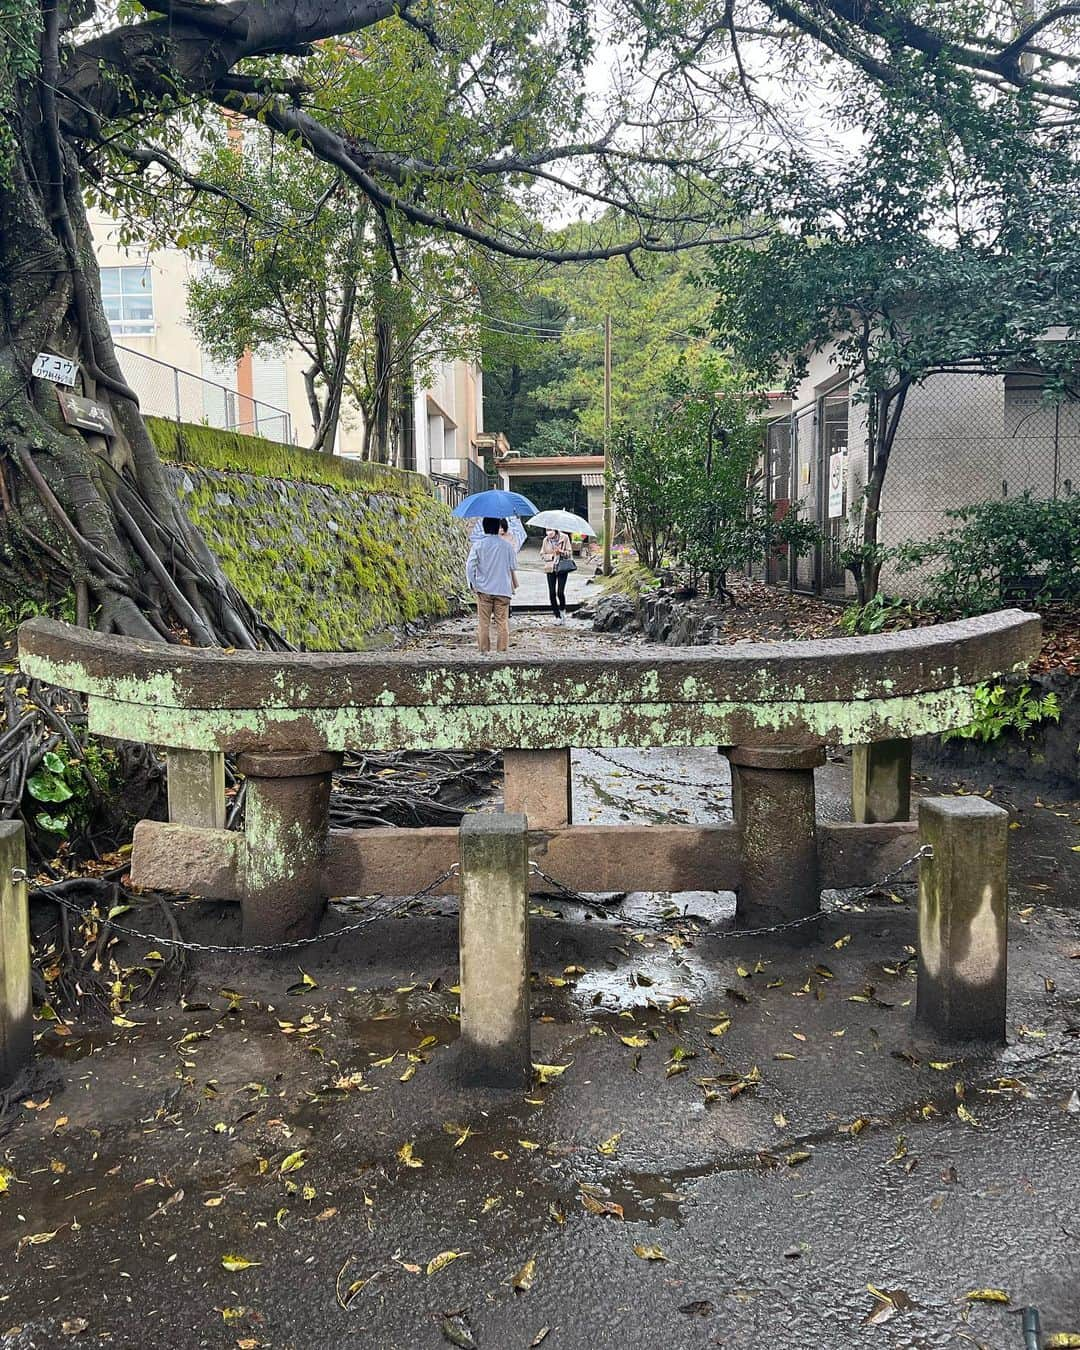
{"x":59,"y":369}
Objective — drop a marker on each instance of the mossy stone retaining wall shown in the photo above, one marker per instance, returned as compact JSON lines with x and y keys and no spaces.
{"x":336,"y":555}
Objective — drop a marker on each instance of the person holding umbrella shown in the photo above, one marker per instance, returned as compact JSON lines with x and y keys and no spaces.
{"x":490,"y":572}
{"x":490,"y":569}
{"x":557,"y":555}
{"x":557,"y":552}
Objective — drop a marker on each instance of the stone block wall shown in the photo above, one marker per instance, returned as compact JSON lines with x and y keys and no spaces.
{"x":337,"y":556}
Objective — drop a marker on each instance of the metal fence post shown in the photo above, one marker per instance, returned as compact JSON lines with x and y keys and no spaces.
{"x":16,"y":1032}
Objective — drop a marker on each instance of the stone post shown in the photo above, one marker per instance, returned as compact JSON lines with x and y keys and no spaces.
{"x":774,"y":806}
{"x":536,"y":783}
{"x":285,"y":835}
{"x":196,"y":780}
{"x":494,"y":944}
{"x":963,"y":919}
{"x":16,"y":1033}
{"x":881,"y":782}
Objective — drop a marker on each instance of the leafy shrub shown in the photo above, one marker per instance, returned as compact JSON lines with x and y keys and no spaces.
{"x":878,"y":614}
{"x":1000,"y":709}
{"x":1000,"y":552}
{"x":63,"y":787}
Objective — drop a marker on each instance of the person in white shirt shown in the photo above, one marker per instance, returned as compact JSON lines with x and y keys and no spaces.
{"x":492,"y":576}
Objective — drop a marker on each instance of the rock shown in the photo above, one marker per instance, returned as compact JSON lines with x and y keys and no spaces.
{"x":615,"y":613}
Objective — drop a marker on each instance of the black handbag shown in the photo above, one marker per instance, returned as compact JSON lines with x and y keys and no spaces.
{"x":565,"y":565}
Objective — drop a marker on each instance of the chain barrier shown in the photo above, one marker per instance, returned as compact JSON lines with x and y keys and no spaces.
{"x":651,"y":773}
{"x":926,"y":851}
{"x":397,"y":912}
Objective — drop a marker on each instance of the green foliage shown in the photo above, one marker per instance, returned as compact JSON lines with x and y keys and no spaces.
{"x":20,"y":27}
{"x":878,"y":614}
{"x":1000,"y":552}
{"x":547,"y":392}
{"x":1000,"y":708}
{"x":950,"y":242}
{"x":629,"y":578}
{"x":232,"y":452}
{"x":15,"y":610}
{"x":71,"y":783}
{"x":688,"y":482}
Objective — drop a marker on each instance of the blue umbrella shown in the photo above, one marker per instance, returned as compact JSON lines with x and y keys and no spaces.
{"x":495,"y":503}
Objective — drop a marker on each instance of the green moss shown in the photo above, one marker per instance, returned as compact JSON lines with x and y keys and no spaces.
{"x":231,"y":452}
{"x":332,"y":567}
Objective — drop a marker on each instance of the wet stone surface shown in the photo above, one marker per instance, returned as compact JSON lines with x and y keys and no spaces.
{"x":727,"y":1141}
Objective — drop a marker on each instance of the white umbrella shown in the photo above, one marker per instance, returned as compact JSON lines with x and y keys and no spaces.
{"x":562,"y":520}
{"x":517,"y":531}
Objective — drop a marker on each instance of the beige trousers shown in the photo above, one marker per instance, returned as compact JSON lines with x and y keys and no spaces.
{"x":497,"y":607}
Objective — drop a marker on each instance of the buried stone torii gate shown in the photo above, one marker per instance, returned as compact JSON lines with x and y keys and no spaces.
{"x":773,"y":707}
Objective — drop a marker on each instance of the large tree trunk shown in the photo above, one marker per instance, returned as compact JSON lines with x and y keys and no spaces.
{"x":380,"y":442}
{"x":86,"y":514}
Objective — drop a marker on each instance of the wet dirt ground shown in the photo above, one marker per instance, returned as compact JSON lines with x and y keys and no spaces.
{"x":729,"y":1143}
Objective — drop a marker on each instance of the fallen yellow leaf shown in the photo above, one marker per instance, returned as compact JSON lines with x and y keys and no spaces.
{"x":406,"y":1155}
{"x":233,"y":1263}
{"x":523,"y":1280}
{"x":649,"y":1253}
{"x":987,"y":1296}
{"x":441,"y":1261}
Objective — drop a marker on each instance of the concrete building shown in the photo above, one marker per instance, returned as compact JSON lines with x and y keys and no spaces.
{"x":962,"y":439}
{"x":144,"y":292}
{"x":565,"y":482}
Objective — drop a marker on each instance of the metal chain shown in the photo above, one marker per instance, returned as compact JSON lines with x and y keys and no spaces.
{"x":648,"y":773}
{"x":395,"y":913}
{"x":926,"y":851}
{"x":398,"y":911}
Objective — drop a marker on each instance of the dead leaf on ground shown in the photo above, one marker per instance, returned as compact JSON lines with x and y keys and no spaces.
{"x":406,"y":1155}
{"x":610,"y":1145}
{"x":523,"y":1280}
{"x":441,"y":1261}
{"x":887,"y":1303}
{"x":987,"y":1296}
{"x":232,"y":1262}
{"x":546,"y":1072}
{"x":649,"y":1253}
{"x":455,"y":1329}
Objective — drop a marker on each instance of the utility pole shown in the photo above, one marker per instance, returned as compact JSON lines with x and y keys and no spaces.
{"x":609,"y":506}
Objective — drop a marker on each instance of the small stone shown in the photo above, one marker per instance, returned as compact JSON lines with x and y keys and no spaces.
{"x":793,"y":1253}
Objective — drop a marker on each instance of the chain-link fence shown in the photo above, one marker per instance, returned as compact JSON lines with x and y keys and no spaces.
{"x":965,"y":439}
{"x":962,"y":439}
{"x":165,"y":391}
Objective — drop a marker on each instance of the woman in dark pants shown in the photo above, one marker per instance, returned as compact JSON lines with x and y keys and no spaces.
{"x":556,"y":546}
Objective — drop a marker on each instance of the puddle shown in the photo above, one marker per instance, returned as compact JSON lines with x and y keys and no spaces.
{"x":70,"y":1049}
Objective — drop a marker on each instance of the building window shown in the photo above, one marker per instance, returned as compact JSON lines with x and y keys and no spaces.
{"x":128,"y":298}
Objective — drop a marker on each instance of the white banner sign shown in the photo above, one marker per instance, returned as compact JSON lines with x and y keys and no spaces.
{"x":56,"y":368}
{"x":836,"y":484}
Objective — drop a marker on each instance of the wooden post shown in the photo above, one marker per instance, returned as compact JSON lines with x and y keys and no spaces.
{"x":536,"y":784}
{"x":16,"y":1031}
{"x":494,"y":944}
{"x":963,"y":918}
{"x":197,"y":788}
{"x":881,"y":782}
